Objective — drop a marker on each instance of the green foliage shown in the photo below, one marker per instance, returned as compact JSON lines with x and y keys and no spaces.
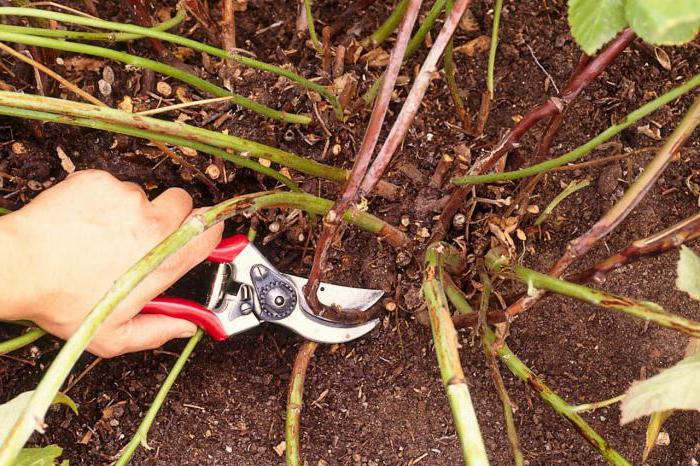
{"x":673,"y":388}
{"x":689,"y":273}
{"x":46,"y":456}
{"x":676,"y":387}
{"x":661,"y":22}
{"x":593,"y":23}
{"x":664,"y":22}
{"x":10,"y":411}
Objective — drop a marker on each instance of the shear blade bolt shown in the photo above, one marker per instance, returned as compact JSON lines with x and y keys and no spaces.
{"x":259,"y":272}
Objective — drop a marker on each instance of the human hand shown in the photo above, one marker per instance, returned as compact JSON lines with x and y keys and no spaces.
{"x":65,"y":249}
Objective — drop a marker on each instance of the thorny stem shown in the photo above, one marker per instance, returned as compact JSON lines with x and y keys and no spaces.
{"x":312,"y":28}
{"x":556,"y":120}
{"x":150,"y":135}
{"x":141,"y":435}
{"x":384,"y":31}
{"x":165,"y":36}
{"x":413,"y":45}
{"x":555,"y":104}
{"x":413,"y":100}
{"x":670,"y":238}
{"x":21,"y":341}
{"x":490,"y":354}
{"x":581,"y":245}
{"x":154,"y":66}
{"x":90,"y":98}
{"x":320,"y":206}
{"x":634,"y":194}
{"x":645,"y":310}
{"x":561,"y":407}
{"x":452,"y":82}
{"x":494,"y":45}
{"x":176,"y":129}
{"x":295,"y":402}
{"x":446,"y":350}
{"x":546,"y":140}
{"x":96,"y":36}
{"x":331,"y":222}
{"x":587,"y":147}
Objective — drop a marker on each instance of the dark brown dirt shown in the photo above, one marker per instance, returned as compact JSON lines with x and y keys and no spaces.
{"x":379,"y":401}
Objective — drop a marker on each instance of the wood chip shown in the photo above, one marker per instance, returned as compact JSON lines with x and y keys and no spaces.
{"x":474,"y":46}
{"x":213,"y":172}
{"x":188,"y":151}
{"x":376,"y":58}
{"x":651,"y":132}
{"x":108,"y":74}
{"x":18,"y":148}
{"x":164,"y":89}
{"x":66,"y":163}
{"x":105,"y":87}
{"x":126,"y":104}
{"x":83,"y":64}
{"x":468,"y":22}
{"x":280,"y":448}
{"x":662,"y":58}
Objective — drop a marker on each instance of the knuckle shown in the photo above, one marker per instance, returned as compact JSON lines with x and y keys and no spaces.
{"x":182,"y":194}
{"x":106,"y":351}
{"x":91,"y":175}
{"x":133,"y":195}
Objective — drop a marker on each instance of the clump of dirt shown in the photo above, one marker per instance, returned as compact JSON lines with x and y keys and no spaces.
{"x":379,"y":401}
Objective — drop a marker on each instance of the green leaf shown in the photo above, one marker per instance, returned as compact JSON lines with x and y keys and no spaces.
{"x":45,"y":456}
{"x":689,"y":273}
{"x":664,"y":22}
{"x":595,"y":22}
{"x":656,"y":421}
{"x":673,"y":388}
{"x":10,"y":411}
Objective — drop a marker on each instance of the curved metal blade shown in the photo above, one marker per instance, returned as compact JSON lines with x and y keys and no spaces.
{"x":345,"y":297}
{"x":324,"y":331}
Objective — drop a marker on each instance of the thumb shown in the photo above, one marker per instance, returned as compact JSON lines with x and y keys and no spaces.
{"x":142,"y":332}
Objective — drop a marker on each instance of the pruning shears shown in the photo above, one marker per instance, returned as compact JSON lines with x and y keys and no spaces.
{"x":247,"y":290}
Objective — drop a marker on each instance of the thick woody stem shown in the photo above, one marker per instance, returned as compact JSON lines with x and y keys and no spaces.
{"x":581,"y":245}
{"x":332,"y":221}
{"x":670,"y":238}
{"x":556,"y":105}
{"x":446,"y":350}
{"x":295,"y":402}
{"x":415,"y":97}
{"x":555,"y":120}
{"x":635,"y":194}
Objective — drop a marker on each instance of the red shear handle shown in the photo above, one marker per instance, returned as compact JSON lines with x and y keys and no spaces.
{"x":187,"y":310}
{"x":229,"y":248}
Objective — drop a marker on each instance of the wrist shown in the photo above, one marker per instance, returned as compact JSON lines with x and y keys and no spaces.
{"x":15,"y":277}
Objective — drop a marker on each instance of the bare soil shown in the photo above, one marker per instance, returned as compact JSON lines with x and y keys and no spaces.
{"x":379,"y":401}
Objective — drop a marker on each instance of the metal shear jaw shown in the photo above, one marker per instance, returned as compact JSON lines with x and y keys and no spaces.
{"x":249,"y":290}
